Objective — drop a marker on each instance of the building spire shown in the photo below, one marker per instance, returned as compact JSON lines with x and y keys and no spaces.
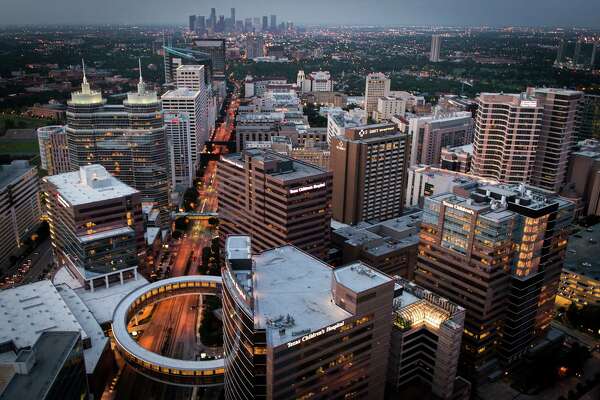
{"x":85,"y":86}
{"x":141,"y":85}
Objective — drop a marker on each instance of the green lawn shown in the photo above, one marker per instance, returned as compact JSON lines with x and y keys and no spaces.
{"x":19,"y":147}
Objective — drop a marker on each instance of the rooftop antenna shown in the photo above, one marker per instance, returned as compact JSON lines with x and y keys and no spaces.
{"x":85,"y":86}
{"x":141,"y":86}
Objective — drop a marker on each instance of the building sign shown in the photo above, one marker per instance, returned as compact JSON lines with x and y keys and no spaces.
{"x":366,"y":132}
{"x":458,"y":207}
{"x":318,"y":333}
{"x":307,"y":188}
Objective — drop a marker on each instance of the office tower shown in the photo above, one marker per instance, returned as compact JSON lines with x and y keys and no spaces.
{"x":425,"y":343}
{"x":369,"y":164}
{"x":273,"y":23}
{"x":389,"y":107}
{"x":498,"y":253}
{"x":430,"y":134}
{"x":232,"y":17}
{"x":248,"y":25}
{"x":560,"y":52}
{"x":389,"y":246}
{"x":506,"y":151}
{"x":276,"y":200}
{"x":294,"y":326}
{"x":265,"y":23}
{"x":436,"y":46}
{"x":216,"y":49}
{"x":255,"y":47}
{"x":583,"y":179}
{"x":192,"y":24}
{"x":257,"y":24}
{"x":557,"y":136}
{"x":318,"y":81}
{"x":96,"y":225}
{"x":54,"y":149}
{"x":593,"y":57}
{"x":212,"y":20}
{"x":20,"y":207}
{"x":220,"y":24}
{"x":589,"y":118}
{"x":377,"y":85}
{"x":191,"y":77}
{"x":129,"y":140}
{"x":186,"y":126}
{"x":577,"y":52}
{"x":175,"y":57}
{"x":200,"y":24}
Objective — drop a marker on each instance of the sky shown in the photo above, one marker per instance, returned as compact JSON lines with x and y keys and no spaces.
{"x":564,"y":13}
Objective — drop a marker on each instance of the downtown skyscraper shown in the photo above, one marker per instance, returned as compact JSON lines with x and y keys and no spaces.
{"x":128,"y":140}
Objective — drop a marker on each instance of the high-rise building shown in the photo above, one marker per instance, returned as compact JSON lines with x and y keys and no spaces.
{"x":200,"y":24}
{"x":257,"y":24}
{"x":54,"y":149}
{"x":319,"y":81}
{"x":255,"y":47}
{"x":265,"y":23}
{"x":186,"y":128}
{"x":19,"y":206}
{"x":369,"y":164}
{"x":273,"y":23}
{"x":507,"y":131}
{"x":377,"y":85}
{"x":129,"y":140}
{"x":594,"y":52}
{"x":276,"y":200}
{"x":430,"y":134}
{"x":212,"y":20}
{"x":589,"y":118}
{"x":96,"y":225}
{"x":248,"y":25}
{"x":294,"y":326}
{"x":191,"y":76}
{"x":425,"y":344}
{"x":584,"y":180}
{"x":192,"y":23}
{"x":216,"y":49}
{"x":557,"y":136}
{"x":498,"y":253}
{"x":232,"y":16}
{"x":388,"y":107}
{"x":436,"y":47}
{"x":175,"y":57}
{"x":577,"y":52}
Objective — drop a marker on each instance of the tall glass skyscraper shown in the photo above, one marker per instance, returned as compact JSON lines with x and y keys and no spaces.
{"x":129,"y":140}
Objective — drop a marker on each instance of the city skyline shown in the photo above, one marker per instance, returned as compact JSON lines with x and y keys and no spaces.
{"x":577,"y":13}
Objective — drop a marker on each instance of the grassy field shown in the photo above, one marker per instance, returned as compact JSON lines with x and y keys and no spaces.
{"x":11,"y":121}
{"x":19,"y":147}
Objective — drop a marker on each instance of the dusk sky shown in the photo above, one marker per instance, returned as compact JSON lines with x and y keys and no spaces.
{"x":585,"y":13}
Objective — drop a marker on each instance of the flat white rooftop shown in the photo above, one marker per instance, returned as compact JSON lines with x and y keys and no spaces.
{"x":90,"y":184}
{"x":27,"y":311}
{"x":291,"y":282}
{"x":238,"y":247}
{"x":359,"y":277}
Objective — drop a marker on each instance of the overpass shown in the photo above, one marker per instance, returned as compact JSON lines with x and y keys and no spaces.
{"x":155,"y":366}
{"x":195,"y":215}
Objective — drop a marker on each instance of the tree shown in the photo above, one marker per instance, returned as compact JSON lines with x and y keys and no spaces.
{"x":214,"y":221}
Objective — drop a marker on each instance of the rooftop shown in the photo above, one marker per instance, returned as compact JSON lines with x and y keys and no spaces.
{"x":359,"y":277}
{"x":292,"y":283}
{"x":51,"y":351}
{"x":12,"y":172}
{"x":91,"y":184}
{"x":180,"y":93}
{"x":281,"y":167}
{"x":582,"y":251}
{"x":29,"y":310}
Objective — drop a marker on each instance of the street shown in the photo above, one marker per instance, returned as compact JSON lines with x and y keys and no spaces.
{"x":173,"y":328}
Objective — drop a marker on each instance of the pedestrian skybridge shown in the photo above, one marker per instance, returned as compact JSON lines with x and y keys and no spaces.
{"x":160,"y":368}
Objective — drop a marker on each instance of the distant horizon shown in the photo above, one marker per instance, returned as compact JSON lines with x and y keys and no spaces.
{"x":377,"y":13}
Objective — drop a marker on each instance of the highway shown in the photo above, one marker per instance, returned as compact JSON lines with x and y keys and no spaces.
{"x":172,"y":330}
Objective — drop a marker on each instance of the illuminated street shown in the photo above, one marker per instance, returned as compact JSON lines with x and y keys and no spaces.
{"x":172,"y":329}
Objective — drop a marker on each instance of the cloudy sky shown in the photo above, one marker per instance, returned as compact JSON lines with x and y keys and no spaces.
{"x":584,"y":13}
